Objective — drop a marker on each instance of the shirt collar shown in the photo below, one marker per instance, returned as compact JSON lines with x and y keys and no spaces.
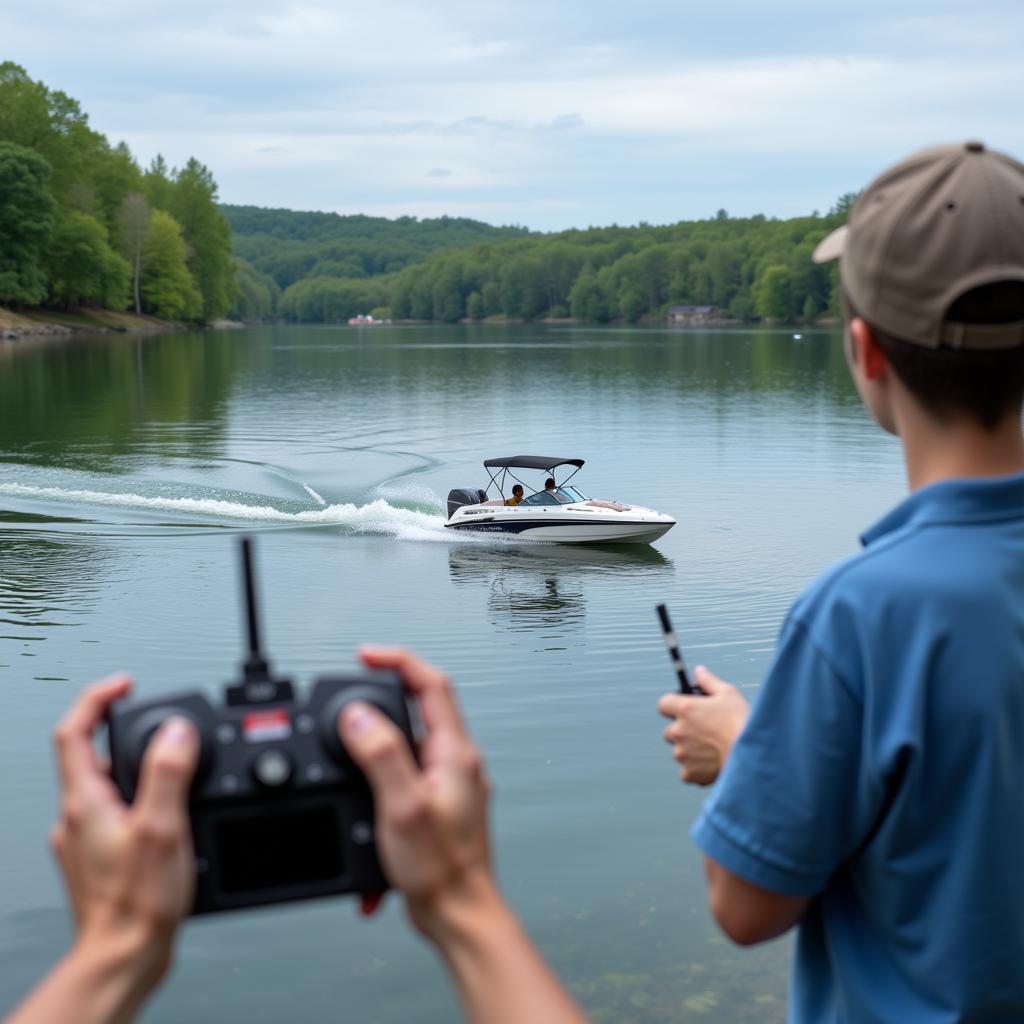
{"x":960,"y":500}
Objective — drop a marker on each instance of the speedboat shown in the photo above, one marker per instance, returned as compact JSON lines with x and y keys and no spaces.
{"x":560,"y":513}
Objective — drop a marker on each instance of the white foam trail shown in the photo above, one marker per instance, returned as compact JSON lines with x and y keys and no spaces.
{"x":417,"y":494}
{"x":316,"y":497}
{"x":376,"y":517}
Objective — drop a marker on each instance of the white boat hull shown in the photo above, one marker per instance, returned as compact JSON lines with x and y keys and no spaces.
{"x":567,"y":524}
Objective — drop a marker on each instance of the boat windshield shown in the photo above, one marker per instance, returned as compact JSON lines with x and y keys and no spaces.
{"x":571,"y":493}
{"x":561,"y":496}
{"x":540,"y":498}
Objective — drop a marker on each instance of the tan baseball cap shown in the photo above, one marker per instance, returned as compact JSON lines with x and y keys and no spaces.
{"x":924,"y":232}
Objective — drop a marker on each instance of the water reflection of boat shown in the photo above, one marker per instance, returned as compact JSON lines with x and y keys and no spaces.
{"x":468,"y":561}
{"x":553,"y":603}
{"x":543,"y":586}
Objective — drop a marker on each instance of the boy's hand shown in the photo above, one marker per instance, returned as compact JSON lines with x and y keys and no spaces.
{"x":129,"y":870}
{"x":703,"y":729}
{"x":431,"y":818}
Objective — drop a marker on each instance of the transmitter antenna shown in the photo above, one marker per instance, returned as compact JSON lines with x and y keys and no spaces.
{"x":685,"y":686}
{"x":256,"y":667}
{"x":257,"y":685}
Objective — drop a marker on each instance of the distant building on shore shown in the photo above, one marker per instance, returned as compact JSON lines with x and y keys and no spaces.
{"x":691,"y":315}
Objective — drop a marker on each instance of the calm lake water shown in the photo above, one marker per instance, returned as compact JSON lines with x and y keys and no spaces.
{"x":130,"y":465}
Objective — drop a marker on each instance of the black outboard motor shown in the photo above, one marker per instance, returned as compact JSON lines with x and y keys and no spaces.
{"x":460,"y":496}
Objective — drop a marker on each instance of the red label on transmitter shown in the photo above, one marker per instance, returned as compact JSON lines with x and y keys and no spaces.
{"x":259,"y":726}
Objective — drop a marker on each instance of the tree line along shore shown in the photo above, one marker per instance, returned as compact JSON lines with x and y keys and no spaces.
{"x":91,"y":240}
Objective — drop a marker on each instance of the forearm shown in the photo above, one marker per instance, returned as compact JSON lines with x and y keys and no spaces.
{"x":97,"y":982}
{"x":499,"y":975}
{"x":747,"y":913}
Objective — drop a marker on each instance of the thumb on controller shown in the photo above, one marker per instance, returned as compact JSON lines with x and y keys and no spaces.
{"x":168,"y":767}
{"x":708,"y":681}
{"x":381,"y":751}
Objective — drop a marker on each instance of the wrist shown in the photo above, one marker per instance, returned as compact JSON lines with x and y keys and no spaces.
{"x":456,"y":914}
{"x":730,"y":733}
{"x":120,"y":965}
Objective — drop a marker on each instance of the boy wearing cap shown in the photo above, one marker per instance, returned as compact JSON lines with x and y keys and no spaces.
{"x":875,"y":794}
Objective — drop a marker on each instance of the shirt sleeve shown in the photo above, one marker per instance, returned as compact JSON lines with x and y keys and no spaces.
{"x":790,"y":805}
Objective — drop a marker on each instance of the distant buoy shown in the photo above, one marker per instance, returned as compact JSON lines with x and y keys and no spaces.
{"x":797,"y":337}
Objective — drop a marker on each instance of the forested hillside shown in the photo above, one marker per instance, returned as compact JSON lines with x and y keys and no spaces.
{"x":279,"y":247}
{"x":746,"y":268}
{"x":81,"y":224}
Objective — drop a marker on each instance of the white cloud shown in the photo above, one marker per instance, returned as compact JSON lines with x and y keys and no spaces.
{"x":550,"y":114}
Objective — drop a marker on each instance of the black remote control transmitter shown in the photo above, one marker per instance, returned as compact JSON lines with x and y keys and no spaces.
{"x":279,"y":810}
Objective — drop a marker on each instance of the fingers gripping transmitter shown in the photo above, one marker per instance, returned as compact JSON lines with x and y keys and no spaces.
{"x":279,"y":810}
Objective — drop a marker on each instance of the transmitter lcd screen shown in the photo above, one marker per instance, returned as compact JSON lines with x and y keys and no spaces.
{"x":273,"y":849}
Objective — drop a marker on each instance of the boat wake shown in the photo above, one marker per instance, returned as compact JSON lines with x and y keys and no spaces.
{"x":421,"y":497}
{"x":375,"y":517}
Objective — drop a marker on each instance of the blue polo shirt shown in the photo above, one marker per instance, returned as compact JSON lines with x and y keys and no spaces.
{"x":882,"y":769}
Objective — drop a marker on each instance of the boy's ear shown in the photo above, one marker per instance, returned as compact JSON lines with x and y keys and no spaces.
{"x":867,"y":353}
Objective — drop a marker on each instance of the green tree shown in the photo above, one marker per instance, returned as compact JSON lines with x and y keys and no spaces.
{"x":587,"y":300}
{"x":166,"y":283}
{"x":26,"y":222}
{"x":742,"y":306}
{"x":50,"y":123}
{"x":809,"y":279}
{"x":421,"y":299}
{"x":449,"y":306}
{"x":156,"y":184}
{"x":475,"y":306}
{"x":703,"y":285}
{"x":772,"y":293}
{"x":132,"y":224}
{"x":843,"y":205}
{"x":257,"y":294}
{"x":84,"y":270}
{"x":491,"y":294}
{"x":114,"y":175}
{"x":724,"y":271}
{"x":208,"y":235}
{"x":523,"y":289}
{"x":631,"y":303}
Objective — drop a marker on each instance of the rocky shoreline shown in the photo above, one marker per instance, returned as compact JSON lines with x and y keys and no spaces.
{"x":34,"y":330}
{"x":92,"y":321}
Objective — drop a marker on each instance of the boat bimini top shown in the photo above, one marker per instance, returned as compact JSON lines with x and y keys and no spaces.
{"x":501,"y":467}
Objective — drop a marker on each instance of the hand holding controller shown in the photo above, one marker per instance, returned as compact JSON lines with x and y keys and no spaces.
{"x":279,"y":810}
{"x":702,"y":730}
{"x":431,"y":816}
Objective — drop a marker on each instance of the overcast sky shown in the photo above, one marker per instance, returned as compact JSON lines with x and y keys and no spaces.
{"x":549,"y":113}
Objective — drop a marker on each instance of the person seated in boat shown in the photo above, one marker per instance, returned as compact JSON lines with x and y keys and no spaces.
{"x":517,"y":495}
{"x":550,"y":485}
